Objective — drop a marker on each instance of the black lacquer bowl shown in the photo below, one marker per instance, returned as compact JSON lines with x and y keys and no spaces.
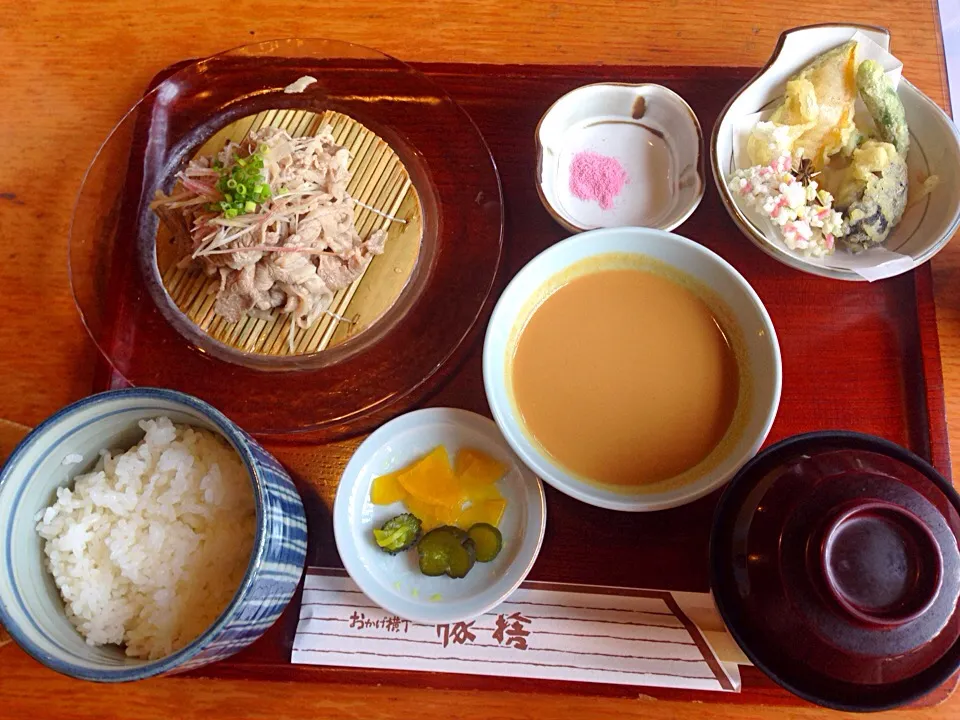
{"x":834,"y":562}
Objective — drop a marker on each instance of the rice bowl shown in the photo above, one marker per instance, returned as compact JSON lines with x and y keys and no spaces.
{"x":32,"y":608}
{"x":151,"y":546}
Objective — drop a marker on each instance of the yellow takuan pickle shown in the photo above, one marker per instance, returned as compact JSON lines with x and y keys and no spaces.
{"x":475,"y":466}
{"x":431,"y":479}
{"x":386,"y":490}
{"x":485,"y":511}
{"x":439,"y":494}
{"x":431,"y":515}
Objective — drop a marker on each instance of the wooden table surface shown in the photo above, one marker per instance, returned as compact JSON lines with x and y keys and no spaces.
{"x":68,"y":70}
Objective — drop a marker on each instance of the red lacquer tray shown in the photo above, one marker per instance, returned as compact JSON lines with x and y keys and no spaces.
{"x":860,"y":356}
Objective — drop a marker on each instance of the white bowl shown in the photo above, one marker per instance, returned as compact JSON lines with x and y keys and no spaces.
{"x":934,"y":150}
{"x":649,"y":129}
{"x":761,"y":354}
{"x":395,"y":582}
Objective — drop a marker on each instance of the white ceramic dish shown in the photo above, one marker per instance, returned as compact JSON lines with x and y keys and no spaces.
{"x":394,"y":581}
{"x":649,"y":129}
{"x":762,"y":358}
{"x":934,"y":150}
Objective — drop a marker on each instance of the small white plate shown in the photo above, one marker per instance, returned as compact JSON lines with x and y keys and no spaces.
{"x":394,"y":582}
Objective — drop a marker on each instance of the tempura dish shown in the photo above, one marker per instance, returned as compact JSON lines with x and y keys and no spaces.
{"x":832,"y":162}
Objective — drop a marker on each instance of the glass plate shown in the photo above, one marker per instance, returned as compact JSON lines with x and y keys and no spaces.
{"x":340,"y":390}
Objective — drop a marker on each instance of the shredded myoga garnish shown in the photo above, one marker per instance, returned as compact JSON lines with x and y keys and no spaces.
{"x":272,"y":217}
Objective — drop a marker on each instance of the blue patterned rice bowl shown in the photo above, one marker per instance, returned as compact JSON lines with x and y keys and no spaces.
{"x":31,"y":607}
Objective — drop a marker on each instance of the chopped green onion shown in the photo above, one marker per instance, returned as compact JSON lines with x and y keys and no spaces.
{"x":242,"y":184}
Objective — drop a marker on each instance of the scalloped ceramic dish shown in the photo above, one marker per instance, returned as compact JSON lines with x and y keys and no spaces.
{"x":649,"y":129}
{"x":926,"y":226}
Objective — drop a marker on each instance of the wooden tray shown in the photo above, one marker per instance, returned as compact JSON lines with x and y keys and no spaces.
{"x":861,"y":356}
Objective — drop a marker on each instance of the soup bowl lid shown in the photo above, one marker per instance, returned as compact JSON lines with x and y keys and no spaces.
{"x":687,"y":258}
{"x":834,"y":563}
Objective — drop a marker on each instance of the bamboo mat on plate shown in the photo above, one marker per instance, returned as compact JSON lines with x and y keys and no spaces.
{"x":379,"y":181}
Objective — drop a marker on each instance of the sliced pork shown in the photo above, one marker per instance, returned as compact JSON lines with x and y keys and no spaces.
{"x":292,"y":251}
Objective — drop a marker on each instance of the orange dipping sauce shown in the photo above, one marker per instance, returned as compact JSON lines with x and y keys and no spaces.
{"x":625,"y":377}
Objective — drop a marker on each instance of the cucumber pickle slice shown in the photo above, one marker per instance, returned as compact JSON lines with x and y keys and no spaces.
{"x":462,"y":559}
{"x":487,"y":539}
{"x":446,"y":550}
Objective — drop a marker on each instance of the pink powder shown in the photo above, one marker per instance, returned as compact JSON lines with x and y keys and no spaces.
{"x":596,"y":177}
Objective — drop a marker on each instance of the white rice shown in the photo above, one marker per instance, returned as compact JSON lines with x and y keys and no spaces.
{"x":149,"y":548}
